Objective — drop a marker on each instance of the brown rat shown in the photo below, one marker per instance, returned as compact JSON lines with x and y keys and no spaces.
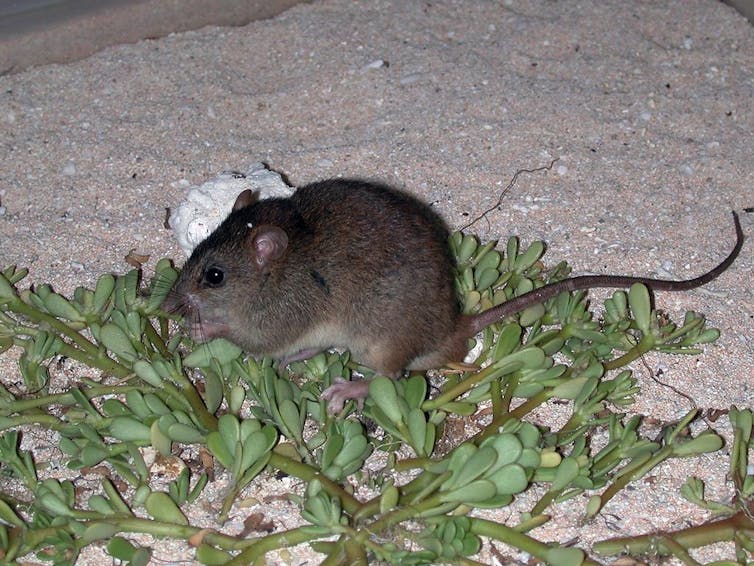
{"x":351,"y":264}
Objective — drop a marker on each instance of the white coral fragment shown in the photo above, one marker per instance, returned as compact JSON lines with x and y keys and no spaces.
{"x":207,"y":205}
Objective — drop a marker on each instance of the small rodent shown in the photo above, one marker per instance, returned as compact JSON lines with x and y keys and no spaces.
{"x":351,"y":264}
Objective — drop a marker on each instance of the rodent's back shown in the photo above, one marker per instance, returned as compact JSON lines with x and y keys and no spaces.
{"x":374,"y":226}
{"x":386,"y":261}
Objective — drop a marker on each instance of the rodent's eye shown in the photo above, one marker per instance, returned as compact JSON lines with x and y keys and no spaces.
{"x":214,"y":276}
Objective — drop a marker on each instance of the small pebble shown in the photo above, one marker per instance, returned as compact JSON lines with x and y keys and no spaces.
{"x":69,"y":169}
{"x":3,"y":210}
{"x":378,"y":64}
{"x":410,"y":79}
{"x":562,"y":170}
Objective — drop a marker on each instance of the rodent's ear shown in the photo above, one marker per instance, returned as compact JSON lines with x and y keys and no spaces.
{"x":267,"y":244}
{"x":246,"y":198}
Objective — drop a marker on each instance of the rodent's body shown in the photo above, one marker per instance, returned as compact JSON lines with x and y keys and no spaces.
{"x":350,"y":264}
{"x":366,"y":268}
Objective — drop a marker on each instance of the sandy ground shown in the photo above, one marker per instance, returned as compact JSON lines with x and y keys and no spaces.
{"x":647,"y":106}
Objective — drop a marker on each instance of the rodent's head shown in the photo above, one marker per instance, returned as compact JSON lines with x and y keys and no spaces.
{"x":220,"y":284}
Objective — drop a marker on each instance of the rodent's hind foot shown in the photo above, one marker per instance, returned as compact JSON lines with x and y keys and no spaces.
{"x":342,"y":391}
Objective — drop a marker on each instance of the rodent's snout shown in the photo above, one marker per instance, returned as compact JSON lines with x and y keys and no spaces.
{"x":200,"y":324}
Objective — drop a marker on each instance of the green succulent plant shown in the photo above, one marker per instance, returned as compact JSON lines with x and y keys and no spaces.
{"x":158,"y":389}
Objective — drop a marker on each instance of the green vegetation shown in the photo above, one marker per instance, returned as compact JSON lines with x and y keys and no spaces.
{"x":156,"y":388}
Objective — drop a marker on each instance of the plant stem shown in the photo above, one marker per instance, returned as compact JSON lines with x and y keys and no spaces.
{"x":545,"y":501}
{"x":401,"y":514}
{"x":100,"y":360}
{"x":523,"y":409}
{"x":512,"y":537}
{"x":156,"y":340}
{"x":189,"y":393}
{"x":37,"y":418}
{"x":692,"y":537}
{"x":645,"y":345}
{"x":174,"y":530}
{"x":64,"y":399}
{"x":261,"y":546}
{"x":459,"y":389}
{"x":308,"y":473}
{"x":42,"y":318}
{"x":633,"y":470}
